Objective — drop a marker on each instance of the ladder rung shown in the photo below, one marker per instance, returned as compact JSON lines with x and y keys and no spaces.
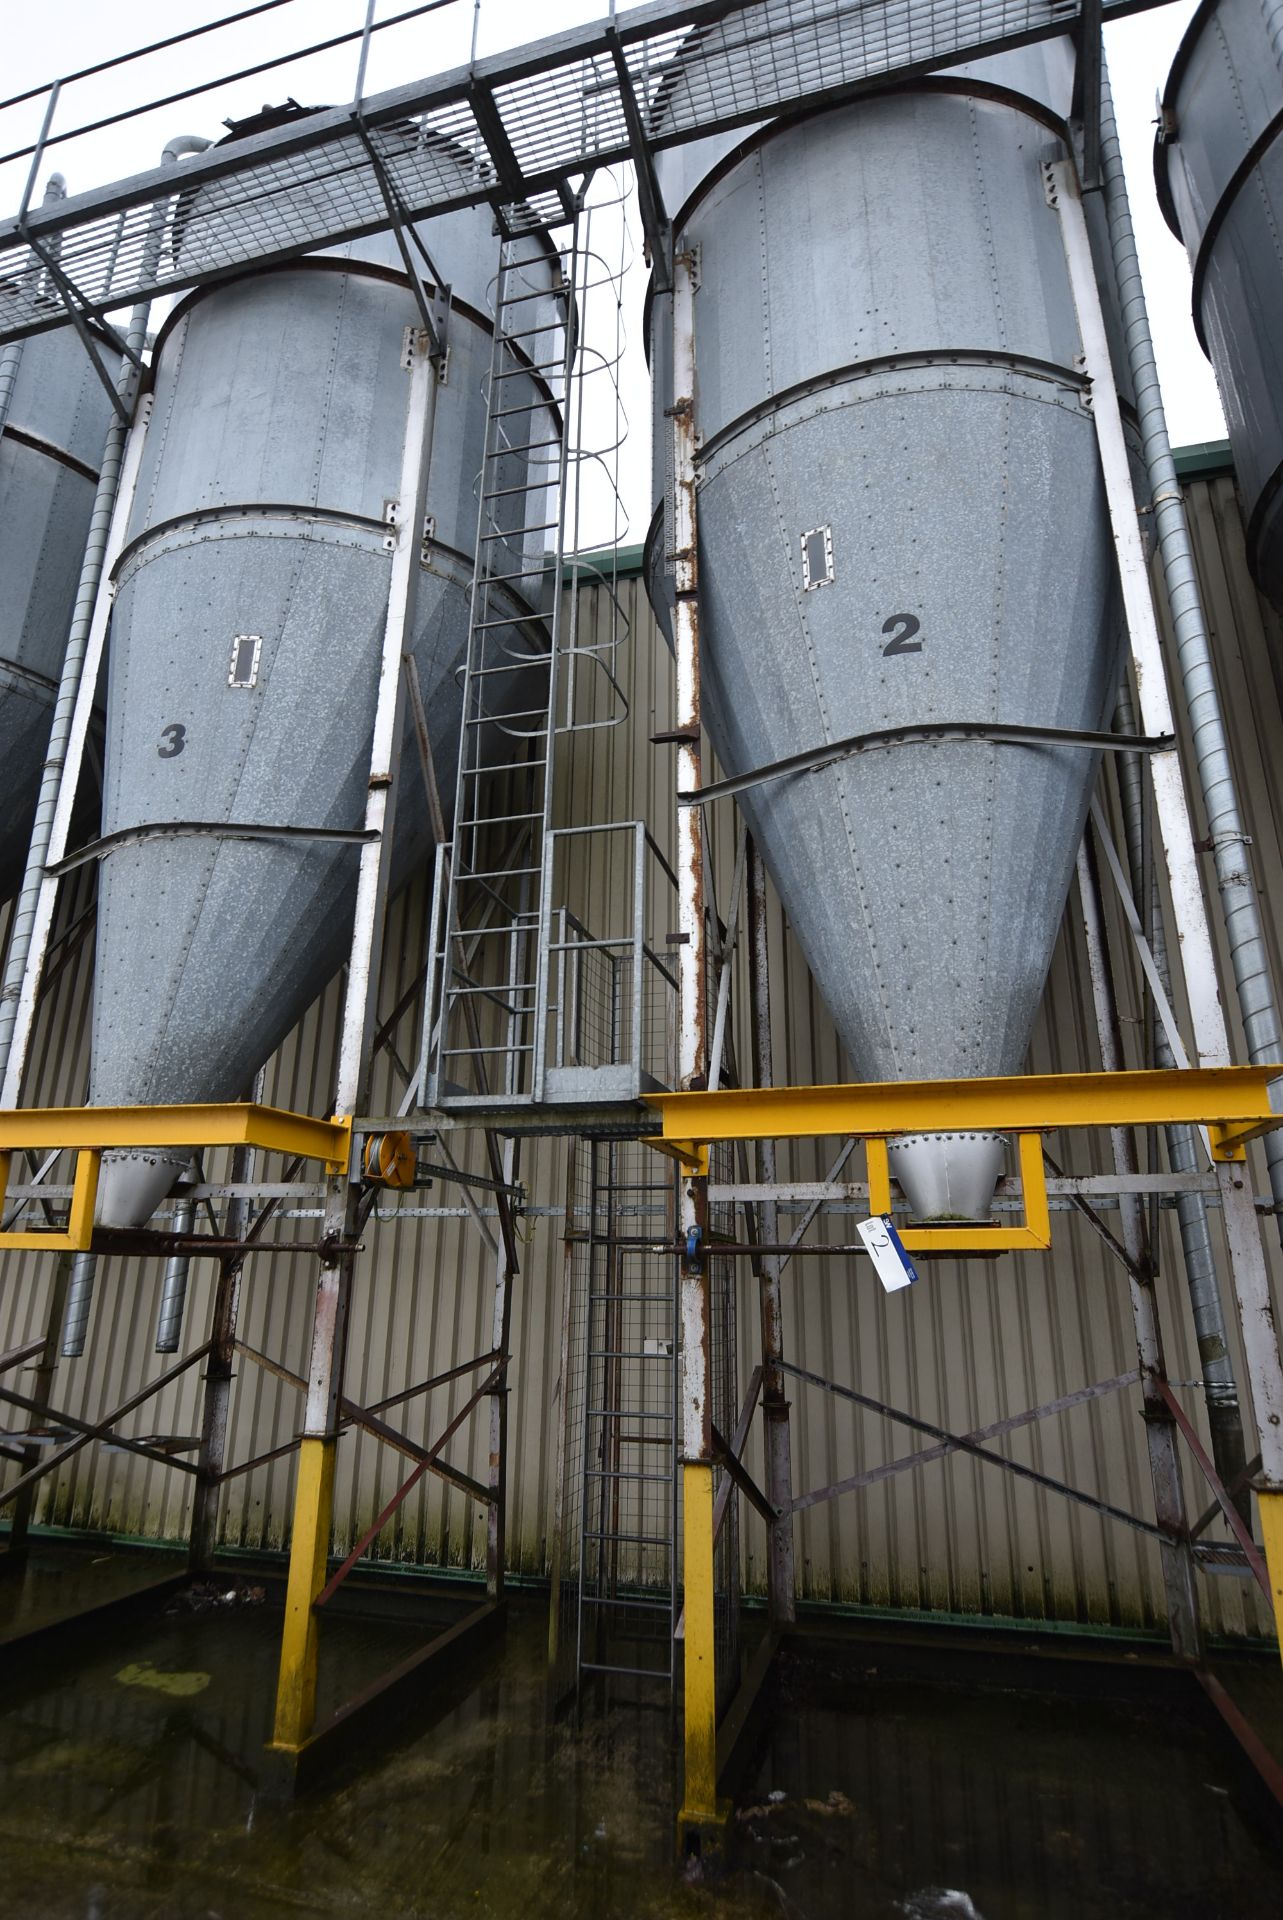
{"x":628,"y":1673}
{"x":532,"y":406}
{"x":619,"y":1353}
{"x":635,"y":1539}
{"x":608,"y":1473}
{"x":631,"y":1413}
{"x":510,"y":533}
{"x":503,"y":766}
{"x":519,"y":299}
{"x":637,"y":1606}
{"x":525,"y":368}
{"x":527,"y":487}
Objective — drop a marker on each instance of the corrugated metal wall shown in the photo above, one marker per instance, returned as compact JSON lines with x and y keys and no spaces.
{"x":975,"y":1342}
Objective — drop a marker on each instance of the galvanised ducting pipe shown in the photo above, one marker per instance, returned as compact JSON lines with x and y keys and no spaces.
{"x":173,"y":1294}
{"x":902,"y":520}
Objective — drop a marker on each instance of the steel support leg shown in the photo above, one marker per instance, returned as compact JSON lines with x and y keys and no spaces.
{"x":42,"y":1387}
{"x":701,"y":1810}
{"x":313,"y":1499}
{"x":1189,"y":914}
{"x":203,"y":1539}
{"x":500,"y":1336}
{"x":777,"y":1444}
{"x":1177,"y":1550}
{"x":314,"y":1489}
{"x":1220,"y":1390}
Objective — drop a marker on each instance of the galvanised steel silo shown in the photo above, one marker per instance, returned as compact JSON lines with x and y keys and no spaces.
{"x":901,"y":521}
{"x":246,"y":644}
{"x":54,"y":426}
{"x":1219,"y":168}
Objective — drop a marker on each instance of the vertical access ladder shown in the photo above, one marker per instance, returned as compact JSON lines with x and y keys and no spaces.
{"x":627,"y":1575}
{"x":489,"y":885}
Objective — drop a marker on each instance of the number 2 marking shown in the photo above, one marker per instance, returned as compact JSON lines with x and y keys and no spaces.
{"x":177,"y":739}
{"x":903,"y":641}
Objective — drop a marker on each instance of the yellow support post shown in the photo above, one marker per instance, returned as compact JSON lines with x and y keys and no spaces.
{"x":309,"y":1550}
{"x":701,"y":1807}
{"x":1271,"y":1505}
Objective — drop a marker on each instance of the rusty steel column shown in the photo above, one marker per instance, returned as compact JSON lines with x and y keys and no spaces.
{"x":1220,"y":1389}
{"x":701,"y":1812}
{"x":1160,"y":1429}
{"x":776,"y":1438}
{"x":500,"y":1335}
{"x":203,"y":1537}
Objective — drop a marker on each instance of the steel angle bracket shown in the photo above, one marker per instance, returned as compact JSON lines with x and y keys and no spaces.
{"x":88,"y":1132}
{"x":691,"y":1155}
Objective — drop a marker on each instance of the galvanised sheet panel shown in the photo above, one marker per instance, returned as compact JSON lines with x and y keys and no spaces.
{"x":1219,"y":167}
{"x":912,"y":403}
{"x":974,"y":1342}
{"x":49,"y":455}
{"x":272,"y":458}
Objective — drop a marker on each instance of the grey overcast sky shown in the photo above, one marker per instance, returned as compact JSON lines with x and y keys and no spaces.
{"x":62,"y":36}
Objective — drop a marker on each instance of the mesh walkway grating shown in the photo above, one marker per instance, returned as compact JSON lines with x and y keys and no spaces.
{"x":508,"y":130}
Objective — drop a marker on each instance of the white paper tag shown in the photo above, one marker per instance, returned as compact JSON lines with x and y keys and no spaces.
{"x":886,"y":1250}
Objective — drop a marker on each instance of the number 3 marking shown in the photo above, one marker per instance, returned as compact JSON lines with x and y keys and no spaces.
{"x":177,"y":739}
{"x":903,"y":641}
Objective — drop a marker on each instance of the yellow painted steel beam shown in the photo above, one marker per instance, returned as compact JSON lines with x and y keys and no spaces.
{"x":1033,"y":1237}
{"x":1232,"y":1102}
{"x":1271,"y":1505}
{"x":237,"y":1124}
{"x":700,"y":1804}
{"x":79,"y":1232}
{"x":309,"y":1550}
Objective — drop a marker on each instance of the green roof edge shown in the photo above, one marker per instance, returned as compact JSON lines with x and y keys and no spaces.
{"x":1203,"y":460}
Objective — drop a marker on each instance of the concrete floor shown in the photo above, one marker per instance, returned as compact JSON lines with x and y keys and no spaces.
{"x":129,"y":1751}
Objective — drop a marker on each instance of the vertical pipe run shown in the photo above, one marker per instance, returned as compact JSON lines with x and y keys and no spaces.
{"x":173,"y":1293}
{"x":1238,"y":896}
{"x":1219,"y":1386}
{"x":80,"y":1299}
{"x":1229,"y":842}
{"x":777,"y":1447}
{"x":1160,"y":1429}
{"x":1189,"y":912}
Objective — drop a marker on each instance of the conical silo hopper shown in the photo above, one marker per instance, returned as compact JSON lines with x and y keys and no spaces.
{"x":901,"y":521}
{"x":49,"y":454}
{"x":1219,"y":169}
{"x":246,"y":645}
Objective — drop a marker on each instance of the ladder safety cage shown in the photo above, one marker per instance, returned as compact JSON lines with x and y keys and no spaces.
{"x":493,"y":957}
